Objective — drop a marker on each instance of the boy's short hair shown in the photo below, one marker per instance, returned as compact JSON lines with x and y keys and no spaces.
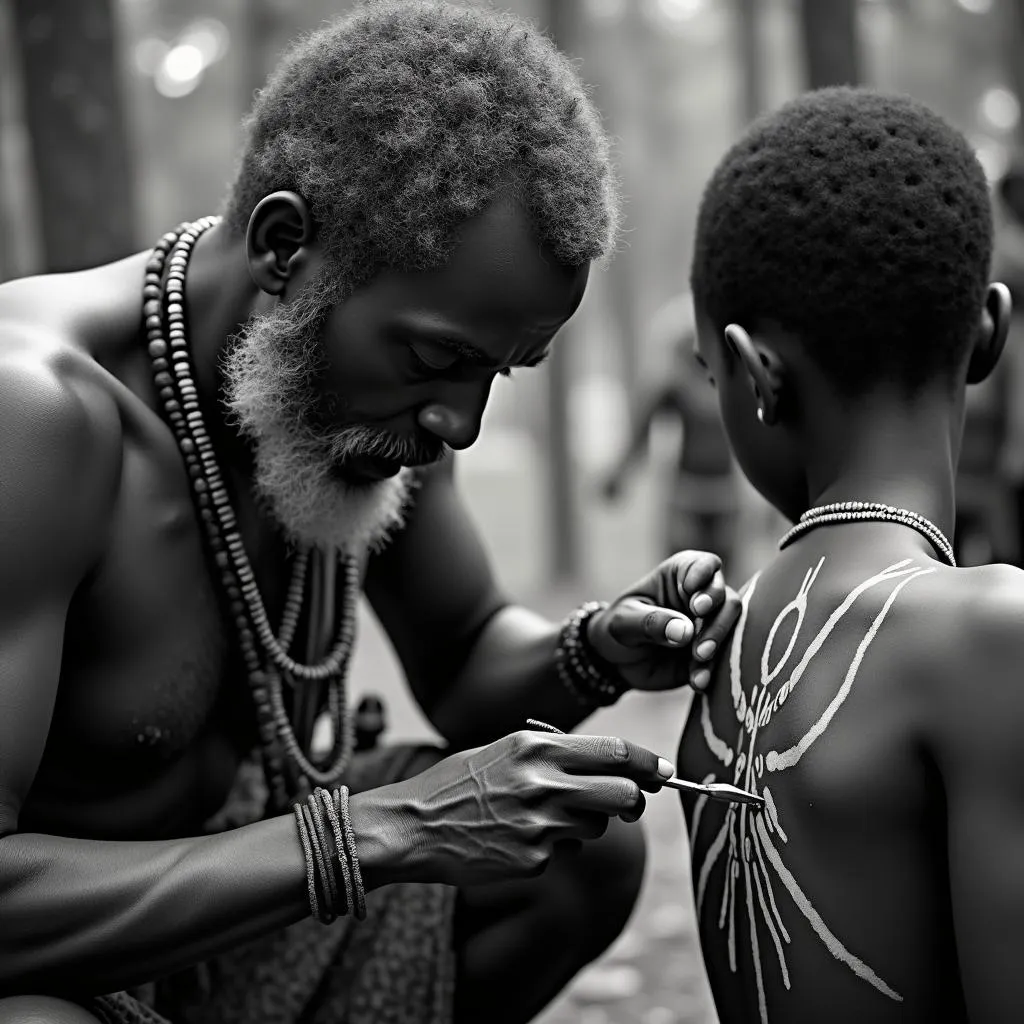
{"x":402,"y":120}
{"x":859,"y":221}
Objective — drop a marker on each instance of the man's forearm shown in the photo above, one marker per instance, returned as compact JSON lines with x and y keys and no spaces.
{"x":95,"y":917}
{"x":510,"y":676}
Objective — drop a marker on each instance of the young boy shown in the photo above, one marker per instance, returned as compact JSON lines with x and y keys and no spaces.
{"x":871,"y":691}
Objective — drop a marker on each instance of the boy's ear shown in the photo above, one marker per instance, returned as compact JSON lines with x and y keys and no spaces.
{"x":762,"y":367}
{"x":994,"y":328}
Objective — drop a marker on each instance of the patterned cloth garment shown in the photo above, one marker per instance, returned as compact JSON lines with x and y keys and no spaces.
{"x":396,"y":967}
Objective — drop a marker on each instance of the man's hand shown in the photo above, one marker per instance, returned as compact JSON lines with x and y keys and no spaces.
{"x":666,"y":629}
{"x":497,"y":812}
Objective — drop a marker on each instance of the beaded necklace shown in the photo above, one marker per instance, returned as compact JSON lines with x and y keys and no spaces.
{"x":290,"y":774}
{"x":870,"y":511}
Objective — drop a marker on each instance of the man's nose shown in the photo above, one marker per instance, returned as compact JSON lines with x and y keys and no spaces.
{"x":455,"y":416}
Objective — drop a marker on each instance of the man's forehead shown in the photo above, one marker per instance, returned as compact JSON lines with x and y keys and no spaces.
{"x":500,"y":250}
{"x":498,"y":273}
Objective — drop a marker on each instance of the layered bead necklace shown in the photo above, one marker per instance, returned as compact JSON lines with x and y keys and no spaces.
{"x":290,"y":773}
{"x":870,"y":511}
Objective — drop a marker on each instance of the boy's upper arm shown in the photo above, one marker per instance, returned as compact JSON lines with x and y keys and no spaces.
{"x":978,"y":737}
{"x":60,"y":457}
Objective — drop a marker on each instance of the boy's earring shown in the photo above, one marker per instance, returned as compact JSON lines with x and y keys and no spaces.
{"x":760,"y":413}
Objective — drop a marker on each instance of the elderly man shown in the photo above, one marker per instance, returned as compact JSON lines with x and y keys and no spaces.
{"x":208,"y":450}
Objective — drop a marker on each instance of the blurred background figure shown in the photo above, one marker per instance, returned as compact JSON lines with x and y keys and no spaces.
{"x":990,"y":475}
{"x":1009,"y":266}
{"x":986,"y":497}
{"x":119,"y":119}
{"x":701,"y":496}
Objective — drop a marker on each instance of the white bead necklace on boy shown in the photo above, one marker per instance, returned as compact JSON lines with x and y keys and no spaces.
{"x":870,"y":511}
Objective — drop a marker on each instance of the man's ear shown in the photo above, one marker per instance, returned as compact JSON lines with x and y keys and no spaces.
{"x":763,"y":369}
{"x":278,"y":240}
{"x":995,"y":325}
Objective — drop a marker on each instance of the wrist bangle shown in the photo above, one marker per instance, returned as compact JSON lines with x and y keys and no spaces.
{"x":334,"y":882}
{"x":339,"y":862}
{"x":307,"y":852}
{"x":322,"y":861}
{"x":341,"y":804}
{"x":577,"y":664}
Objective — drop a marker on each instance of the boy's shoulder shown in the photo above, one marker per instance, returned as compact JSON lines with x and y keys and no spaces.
{"x":974,"y":613}
{"x":963,"y":647}
{"x":955,"y":637}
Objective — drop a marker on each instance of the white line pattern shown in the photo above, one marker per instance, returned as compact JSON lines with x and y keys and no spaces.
{"x":746,"y":836}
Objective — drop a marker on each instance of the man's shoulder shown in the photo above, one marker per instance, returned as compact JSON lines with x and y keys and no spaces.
{"x":47,"y":382}
{"x":60,"y":426}
{"x":78,"y":309}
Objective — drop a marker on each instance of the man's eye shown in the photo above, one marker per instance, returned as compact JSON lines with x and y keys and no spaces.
{"x":434,"y":360}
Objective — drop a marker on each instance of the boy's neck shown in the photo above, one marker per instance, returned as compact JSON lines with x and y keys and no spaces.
{"x":896,"y":454}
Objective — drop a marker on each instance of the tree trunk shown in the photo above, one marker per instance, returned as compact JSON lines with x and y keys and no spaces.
{"x":748,"y":32}
{"x":629,"y":104}
{"x":563,"y":559}
{"x":831,"y":52}
{"x":76,"y":124}
{"x":1014,"y":61}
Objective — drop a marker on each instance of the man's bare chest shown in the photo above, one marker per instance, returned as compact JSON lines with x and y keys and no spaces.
{"x":152,"y":697}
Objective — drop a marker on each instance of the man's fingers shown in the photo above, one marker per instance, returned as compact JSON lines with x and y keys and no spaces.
{"x":703,"y":591}
{"x":712,"y":636}
{"x":694,"y":573}
{"x":636,"y":623}
{"x":612,"y":756}
{"x":589,"y":824}
{"x":637,"y":812}
{"x":608,"y":795}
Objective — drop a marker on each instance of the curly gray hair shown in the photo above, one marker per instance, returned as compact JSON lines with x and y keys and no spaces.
{"x":402,"y":120}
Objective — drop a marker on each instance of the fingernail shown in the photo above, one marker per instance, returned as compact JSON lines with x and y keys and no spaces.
{"x":677,"y":630}
{"x":701,"y":678}
{"x":701,"y":604}
{"x":621,"y":750}
{"x":706,"y":649}
{"x":665,"y":768}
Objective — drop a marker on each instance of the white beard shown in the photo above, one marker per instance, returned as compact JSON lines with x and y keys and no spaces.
{"x":315,"y":508}
{"x":267,"y":378}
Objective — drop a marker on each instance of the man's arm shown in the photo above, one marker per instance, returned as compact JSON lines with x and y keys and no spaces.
{"x":976,"y":725}
{"x":477,"y":665}
{"x":75,"y":913}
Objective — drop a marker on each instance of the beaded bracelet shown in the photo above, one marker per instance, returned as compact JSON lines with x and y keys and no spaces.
{"x":578,"y":665}
{"x":329,"y":848}
{"x":341,"y":804}
{"x":327,"y":912}
{"x":339,"y":862}
{"x":307,"y":852}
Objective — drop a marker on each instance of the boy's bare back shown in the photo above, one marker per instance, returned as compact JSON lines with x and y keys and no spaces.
{"x":871,"y":699}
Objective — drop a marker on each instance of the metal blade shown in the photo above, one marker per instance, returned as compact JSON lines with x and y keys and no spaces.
{"x":717,"y":791}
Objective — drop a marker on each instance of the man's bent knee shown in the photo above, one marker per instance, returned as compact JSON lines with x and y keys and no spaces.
{"x":590,"y":895}
{"x":43,"y":1010}
{"x":609,"y":874}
